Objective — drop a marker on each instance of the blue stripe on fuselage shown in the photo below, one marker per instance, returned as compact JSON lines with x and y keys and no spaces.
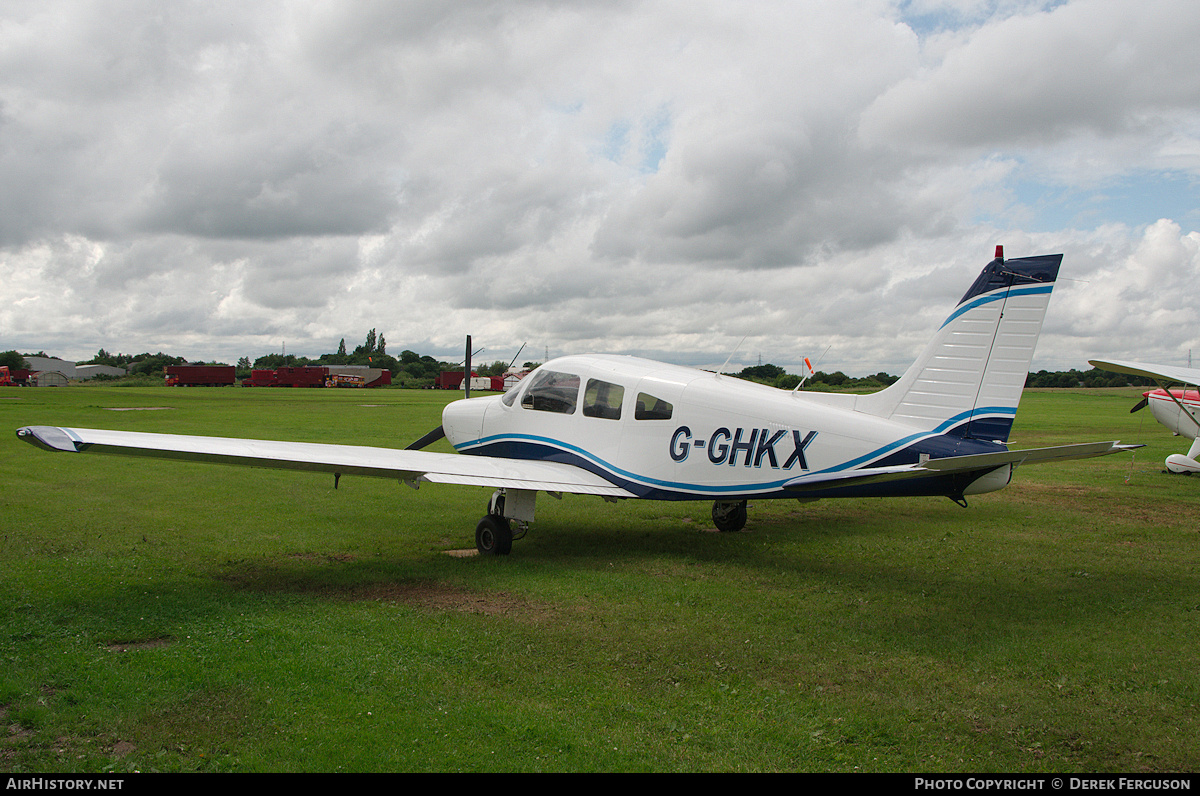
{"x":939,"y":443}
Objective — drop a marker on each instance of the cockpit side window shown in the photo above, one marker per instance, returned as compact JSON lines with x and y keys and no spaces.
{"x":651,"y":408}
{"x":603,"y":399}
{"x":552,"y":391}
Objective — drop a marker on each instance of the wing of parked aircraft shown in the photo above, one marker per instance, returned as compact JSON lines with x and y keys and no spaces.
{"x":416,"y":466}
{"x":1169,"y":373}
{"x":411,"y":466}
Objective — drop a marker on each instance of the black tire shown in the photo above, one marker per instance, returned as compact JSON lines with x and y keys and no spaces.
{"x":493,"y":536}
{"x":729,"y":517}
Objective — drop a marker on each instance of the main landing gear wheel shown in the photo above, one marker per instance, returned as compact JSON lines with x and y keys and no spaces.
{"x":729,"y":515}
{"x":493,"y":536}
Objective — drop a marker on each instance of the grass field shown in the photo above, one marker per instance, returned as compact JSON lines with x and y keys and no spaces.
{"x":159,"y":616}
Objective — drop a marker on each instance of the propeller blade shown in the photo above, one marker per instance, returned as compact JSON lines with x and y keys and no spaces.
{"x":431,"y":437}
{"x":1139,"y":405}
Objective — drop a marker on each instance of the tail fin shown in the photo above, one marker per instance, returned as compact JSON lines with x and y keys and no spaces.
{"x":968,"y":380}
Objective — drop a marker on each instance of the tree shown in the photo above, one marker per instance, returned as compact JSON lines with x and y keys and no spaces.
{"x":273,"y":361}
{"x":767,"y":374}
{"x":105,"y":358}
{"x":153,"y":364}
{"x":341,"y":352}
{"x":13,"y":360}
{"x":497,"y":368}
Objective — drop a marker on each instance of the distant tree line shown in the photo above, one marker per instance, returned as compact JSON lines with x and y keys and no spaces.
{"x":414,"y":370}
{"x":145,"y":364}
{"x":1089,"y":378}
{"x":410,"y":369}
{"x":820,"y":381}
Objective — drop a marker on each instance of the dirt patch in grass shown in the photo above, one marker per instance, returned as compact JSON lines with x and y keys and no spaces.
{"x":443,"y":597}
{"x":14,"y":734}
{"x":141,"y":644}
{"x":342,"y":558}
{"x":431,"y":595}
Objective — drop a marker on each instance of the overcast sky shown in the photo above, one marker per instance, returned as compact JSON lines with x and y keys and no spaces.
{"x":223,"y":179}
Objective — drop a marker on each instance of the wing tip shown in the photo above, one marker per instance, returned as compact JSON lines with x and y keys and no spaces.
{"x":51,"y":438}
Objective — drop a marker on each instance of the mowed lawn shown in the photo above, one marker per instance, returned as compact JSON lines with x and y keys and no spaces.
{"x":161,"y":616}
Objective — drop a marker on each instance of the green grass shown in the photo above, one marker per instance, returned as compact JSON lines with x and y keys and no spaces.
{"x":161,"y":616}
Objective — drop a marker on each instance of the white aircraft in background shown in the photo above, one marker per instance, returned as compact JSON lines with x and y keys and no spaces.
{"x":1176,"y":408}
{"x":623,"y":428}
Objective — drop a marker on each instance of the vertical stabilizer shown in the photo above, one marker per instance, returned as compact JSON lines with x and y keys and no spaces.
{"x":968,"y":380}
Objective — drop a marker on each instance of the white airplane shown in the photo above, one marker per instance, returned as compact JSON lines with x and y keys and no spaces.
{"x":621,"y":427}
{"x":1177,"y":409}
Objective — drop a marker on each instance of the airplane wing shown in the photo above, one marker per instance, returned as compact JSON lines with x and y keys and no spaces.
{"x":410,"y":466}
{"x":978,"y":463}
{"x":1169,"y":373}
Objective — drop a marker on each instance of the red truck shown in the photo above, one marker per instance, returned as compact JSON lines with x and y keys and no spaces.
{"x":14,"y":378}
{"x":199,"y":375}
{"x":301,"y":376}
{"x":319,"y":376}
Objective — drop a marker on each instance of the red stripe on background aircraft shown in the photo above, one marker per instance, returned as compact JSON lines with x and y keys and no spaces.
{"x":1177,"y":409}
{"x":623,"y":428}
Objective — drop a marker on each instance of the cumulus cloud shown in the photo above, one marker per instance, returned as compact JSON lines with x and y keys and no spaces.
{"x":665,"y":178}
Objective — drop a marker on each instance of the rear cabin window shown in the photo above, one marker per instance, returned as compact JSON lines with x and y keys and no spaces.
{"x":651,"y":408}
{"x":603,"y":399}
{"x":552,"y":391}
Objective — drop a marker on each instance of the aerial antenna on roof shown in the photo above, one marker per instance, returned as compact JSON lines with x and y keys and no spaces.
{"x":731,"y":353}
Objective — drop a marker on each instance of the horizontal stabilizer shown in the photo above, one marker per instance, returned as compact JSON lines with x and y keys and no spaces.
{"x":405,"y":465}
{"x":980,"y":463}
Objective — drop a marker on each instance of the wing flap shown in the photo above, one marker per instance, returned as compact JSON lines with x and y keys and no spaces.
{"x":405,"y":465}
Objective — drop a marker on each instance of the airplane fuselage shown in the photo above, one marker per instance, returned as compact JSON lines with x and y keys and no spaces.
{"x":1179,"y":411}
{"x":1168,"y":412}
{"x":674,"y":433}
